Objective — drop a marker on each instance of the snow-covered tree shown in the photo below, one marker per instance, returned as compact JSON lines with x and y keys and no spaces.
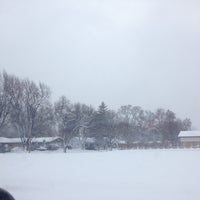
{"x":72,"y":120}
{"x":28,"y":99}
{"x":6,"y":89}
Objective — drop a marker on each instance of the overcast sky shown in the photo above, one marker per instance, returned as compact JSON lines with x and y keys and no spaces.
{"x":139,"y":52}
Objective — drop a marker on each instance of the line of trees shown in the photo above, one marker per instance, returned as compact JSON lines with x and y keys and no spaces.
{"x":26,"y":111}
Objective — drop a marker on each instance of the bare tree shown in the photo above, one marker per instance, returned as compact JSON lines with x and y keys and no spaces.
{"x":45,"y":121}
{"x":84,"y":117}
{"x":72,"y":120}
{"x":28,"y":100}
{"x":64,"y":119}
{"x":6,"y":85}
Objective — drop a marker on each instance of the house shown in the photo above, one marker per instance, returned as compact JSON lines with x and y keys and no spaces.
{"x":40,"y":143}
{"x":6,"y":144}
{"x":189,"y":138}
{"x":46,"y":143}
{"x":91,"y":144}
{"x":119,"y":144}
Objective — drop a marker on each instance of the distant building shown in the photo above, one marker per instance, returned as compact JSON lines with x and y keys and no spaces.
{"x":40,"y":143}
{"x":91,"y":144}
{"x":46,"y":143}
{"x":189,"y":138}
{"x":6,"y":144}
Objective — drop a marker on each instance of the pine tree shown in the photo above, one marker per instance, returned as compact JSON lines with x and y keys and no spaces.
{"x":102,"y":109}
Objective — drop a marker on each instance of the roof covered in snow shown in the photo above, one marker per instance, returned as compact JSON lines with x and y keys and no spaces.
{"x":189,"y":134}
{"x":90,"y":140}
{"x":118,"y":141}
{"x":18,"y":140}
{"x":9,"y":140}
{"x":45,"y":139}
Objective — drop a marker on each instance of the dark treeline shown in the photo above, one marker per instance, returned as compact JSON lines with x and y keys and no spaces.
{"x":26,"y":111}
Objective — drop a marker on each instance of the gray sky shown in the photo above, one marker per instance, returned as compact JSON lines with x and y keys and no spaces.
{"x":139,"y":52}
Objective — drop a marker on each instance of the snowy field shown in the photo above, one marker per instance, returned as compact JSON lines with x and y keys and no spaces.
{"x":116,"y":175}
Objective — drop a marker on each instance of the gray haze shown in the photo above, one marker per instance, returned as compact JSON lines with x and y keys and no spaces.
{"x":139,"y":52}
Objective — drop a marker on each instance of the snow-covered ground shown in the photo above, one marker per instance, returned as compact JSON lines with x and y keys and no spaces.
{"x":116,"y":175}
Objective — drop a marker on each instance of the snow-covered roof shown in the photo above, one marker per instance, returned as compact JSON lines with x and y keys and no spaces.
{"x":44,"y":139}
{"x":189,"y":134}
{"x":118,"y":141}
{"x":9,"y":140}
{"x":90,"y":140}
{"x":136,"y":142}
{"x":18,"y":140}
